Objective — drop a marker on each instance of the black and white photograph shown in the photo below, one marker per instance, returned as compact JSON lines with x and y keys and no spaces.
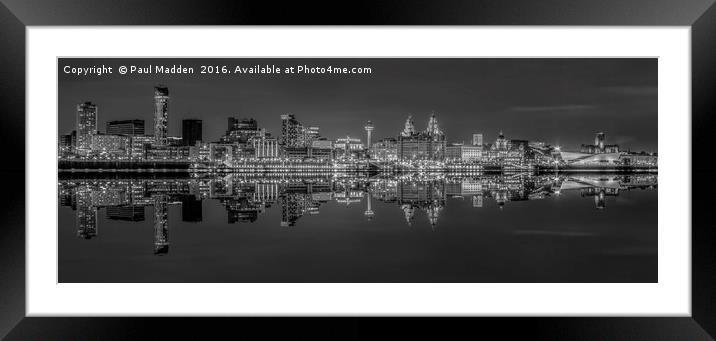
{"x":357,"y":170}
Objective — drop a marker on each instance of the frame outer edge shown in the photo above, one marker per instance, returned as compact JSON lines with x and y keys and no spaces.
{"x":12,"y":202}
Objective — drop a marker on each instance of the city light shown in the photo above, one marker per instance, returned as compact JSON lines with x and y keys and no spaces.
{"x":245,"y":147}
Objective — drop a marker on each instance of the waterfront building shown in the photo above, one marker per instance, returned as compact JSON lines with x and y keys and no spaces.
{"x":596,"y":155}
{"x":463,"y":153}
{"x":384,"y":150}
{"x":428,"y":145}
{"x":241,"y":130}
{"x":348,"y":148}
{"x":308,"y":153}
{"x":265,"y":147}
{"x":221,"y":153}
{"x":175,"y":141}
{"x":139,"y":145}
{"x":477,"y":140}
{"x":640,"y":159}
{"x":66,"y":144}
{"x":161,"y":113}
{"x":191,"y":131}
{"x":106,"y":145}
{"x":86,"y":126}
{"x":126,"y":127}
{"x":292,"y":132}
{"x":599,"y":147}
{"x":200,"y":152}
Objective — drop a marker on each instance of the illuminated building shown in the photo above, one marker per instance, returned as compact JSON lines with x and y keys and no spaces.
{"x":86,"y":126}
{"x":139,"y":146}
{"x":191,"y":132}
{"x":477,"y":140}
{"x":599,"y":147}
{"x":200,"y":152}
{"x":161,"y":112}
{"x":596,"y":155}
{"x":464,"y":153}
{"x":105,"y":144}
{"x":423,"y":146}
{"x":265,"y":147}
{"x":241,"y":130}
{"x":160,"y":153}
{"x":292,"y":132}
{"x":312,"y":134}
{"x":221,"y":153}
{"x":126,"y":127}
{"x":384,"y":150}
{"x":640,"y":159}
{"x":66,"y":143}
{"x":348,"y":147}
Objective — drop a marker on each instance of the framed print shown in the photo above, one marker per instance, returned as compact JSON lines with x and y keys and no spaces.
{"x":196,"y":177}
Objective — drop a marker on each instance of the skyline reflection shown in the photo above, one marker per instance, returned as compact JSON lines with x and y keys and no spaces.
{"x":247,"y":198}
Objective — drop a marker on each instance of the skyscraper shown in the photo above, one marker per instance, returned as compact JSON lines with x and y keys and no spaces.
{"x":161,"y":105}
{"x":126,"y":127}
{"x":291,"y":131}
{"x":190,"y":131}
{"x":86,"y":126}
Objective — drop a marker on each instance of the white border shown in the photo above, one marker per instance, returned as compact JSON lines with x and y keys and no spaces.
{"x":671,"y":296}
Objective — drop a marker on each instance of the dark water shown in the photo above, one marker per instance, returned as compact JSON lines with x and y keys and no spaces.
{"x":413,"y":228}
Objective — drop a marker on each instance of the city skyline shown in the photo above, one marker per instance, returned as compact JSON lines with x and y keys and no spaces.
{"x":465,"y":105}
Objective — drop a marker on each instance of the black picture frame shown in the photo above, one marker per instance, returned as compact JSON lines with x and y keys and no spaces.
{"x":15,"y":15}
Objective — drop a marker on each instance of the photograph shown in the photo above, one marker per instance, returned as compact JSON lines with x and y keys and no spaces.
{"x":357,"y":170}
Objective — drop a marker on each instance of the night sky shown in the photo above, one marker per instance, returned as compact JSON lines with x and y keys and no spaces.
{"x":558,"y":101}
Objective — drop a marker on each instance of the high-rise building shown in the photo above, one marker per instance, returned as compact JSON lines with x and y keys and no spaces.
{"x":126,"y":127}
{"x":241,"y":130}
{"x":86,"y":126}
{"x":477,"y":140}
{"x":161,"y":113}
{"x":292,"y":132}
{"x":191,"y":132}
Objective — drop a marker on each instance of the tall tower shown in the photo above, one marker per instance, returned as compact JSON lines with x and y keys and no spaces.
{"x":86,"y":126}
{"x":599,"y":140}
{"x":477,"y":140}
{"x":190,"y":131}
{"x":409,"y":129}
{"x":369,"y":129}
{"x":433,"y":129}
{"x":161,"y":105}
